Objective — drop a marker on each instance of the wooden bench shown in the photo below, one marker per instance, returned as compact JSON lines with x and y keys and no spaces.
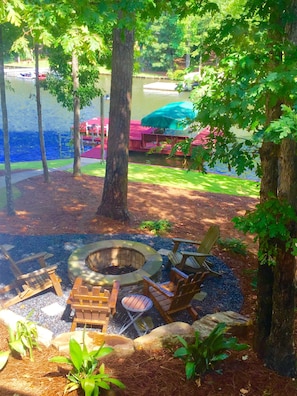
{"x":93,"y":305}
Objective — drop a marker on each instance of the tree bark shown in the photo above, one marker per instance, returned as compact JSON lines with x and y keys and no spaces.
{"x":280,"y":354}
{"x":76,"y":117}
{"x":269,"y":166}
{"x":39,"y":116}
{"x":275,"y":322}
{"x":9,"y":192}
{"x":114,"y":198}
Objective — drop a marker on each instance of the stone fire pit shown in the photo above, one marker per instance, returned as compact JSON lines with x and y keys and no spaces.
{"x":88,"y":261}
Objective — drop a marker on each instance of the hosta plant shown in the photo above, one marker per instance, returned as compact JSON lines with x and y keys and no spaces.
{"x":85,"y":372}
{"x":203,"y":355}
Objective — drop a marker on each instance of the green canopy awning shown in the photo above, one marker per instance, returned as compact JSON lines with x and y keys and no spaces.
{"x":175,"y":115}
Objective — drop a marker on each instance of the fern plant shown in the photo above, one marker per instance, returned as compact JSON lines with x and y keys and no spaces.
{"x":203,"y":355}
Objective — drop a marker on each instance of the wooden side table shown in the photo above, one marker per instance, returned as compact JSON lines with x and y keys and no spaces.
{"x":136,"y":305}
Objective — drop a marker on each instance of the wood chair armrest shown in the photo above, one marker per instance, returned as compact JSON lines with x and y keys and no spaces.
{"x":181,"y":240}
{"x":194,"y":254}
{"x":175,"y":273}
{"x":148,"y":282}
{"x":33,"y":257}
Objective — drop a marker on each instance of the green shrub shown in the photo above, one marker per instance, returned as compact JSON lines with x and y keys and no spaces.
{"x":157,"y":227}
{"x":176,"y":74}
{"x":84,"y":371}
{"x":234,"y":245}
{"x":203,"y":355}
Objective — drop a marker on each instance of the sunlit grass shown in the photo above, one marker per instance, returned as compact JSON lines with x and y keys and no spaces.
{"x":158,"y":175}
{"x":180,"y":178}
{"x":38,"y":164}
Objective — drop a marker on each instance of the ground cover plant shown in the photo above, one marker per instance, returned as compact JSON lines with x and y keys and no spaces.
{"x":157,"y":227}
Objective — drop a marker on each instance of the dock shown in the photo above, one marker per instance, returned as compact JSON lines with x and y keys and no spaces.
{"x":161,"y":86}
{"x":142,"y":139}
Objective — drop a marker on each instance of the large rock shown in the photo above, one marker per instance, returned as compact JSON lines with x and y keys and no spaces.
{"x":165,"y":336}
{"x":237,"y":324}
{"x":93,"y":340}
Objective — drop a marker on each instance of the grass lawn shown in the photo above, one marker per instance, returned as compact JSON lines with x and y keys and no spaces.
{"x":172,"y":177}
{"x":180,"y":178}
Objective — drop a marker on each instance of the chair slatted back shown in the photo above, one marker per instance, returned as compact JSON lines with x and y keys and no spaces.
{"x":208,"y":242}
{"x":92,"y":305}
{"x":186,"y":290}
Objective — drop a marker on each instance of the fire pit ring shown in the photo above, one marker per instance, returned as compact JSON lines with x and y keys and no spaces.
{"x":83,"y":262}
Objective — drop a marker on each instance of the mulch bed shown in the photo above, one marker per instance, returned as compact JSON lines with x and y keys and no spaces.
{"x":68,"y":205}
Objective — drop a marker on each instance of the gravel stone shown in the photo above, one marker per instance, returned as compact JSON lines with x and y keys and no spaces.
{"x":223,"y":293}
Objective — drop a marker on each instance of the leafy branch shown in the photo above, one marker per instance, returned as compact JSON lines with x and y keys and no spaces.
{"x":270,"y":221}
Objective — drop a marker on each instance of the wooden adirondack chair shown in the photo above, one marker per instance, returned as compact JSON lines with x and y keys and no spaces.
{"x":192,"y":262}
{"x":175,"y":295}
{"x":93,"y":306}
{"x":32,"y":283}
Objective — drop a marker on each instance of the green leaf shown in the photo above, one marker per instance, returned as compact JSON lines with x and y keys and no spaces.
{"x":17,"y":346}
{"x":3,"y":358}
{"x":88,"y":385}
{"x":76,"y":354}
{"x":190,"y":370}
{"x":103,"y":384}
{"x":71,"y":387}
{"x":221,"y":356}
{"x":60,"y":359}
{"x":180,"y":352}
{"x":103,"y":351}
{"x":117,"y":382}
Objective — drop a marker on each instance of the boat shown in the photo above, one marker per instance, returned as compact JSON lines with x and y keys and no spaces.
{"x":27,"y":75}
{"x":31,"y":75}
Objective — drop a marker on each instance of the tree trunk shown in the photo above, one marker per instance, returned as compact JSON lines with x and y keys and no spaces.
{"x":280,"y":354}
{"x":39,"y":116}
{"x":9,"y":193}
{"x":275,"y":321}
{"x":269,"y":165}
{"x":114,"y":198}
{"x":76,"y":116}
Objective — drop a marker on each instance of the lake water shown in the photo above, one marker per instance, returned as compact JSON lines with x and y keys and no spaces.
{"x":57,"y":121}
